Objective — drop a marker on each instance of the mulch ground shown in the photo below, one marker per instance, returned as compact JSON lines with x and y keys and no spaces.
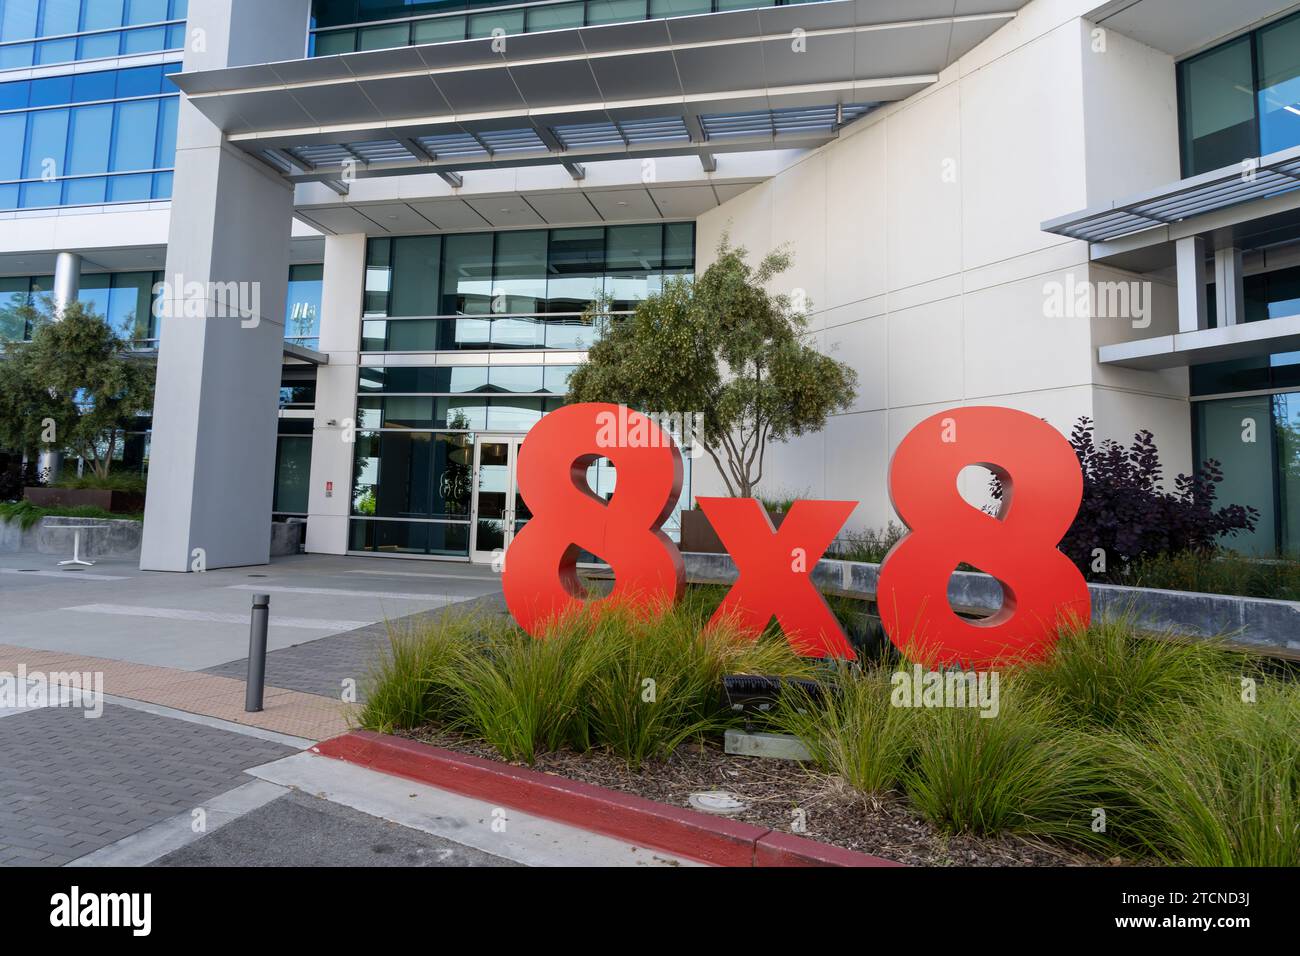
{"x":774,"y":790}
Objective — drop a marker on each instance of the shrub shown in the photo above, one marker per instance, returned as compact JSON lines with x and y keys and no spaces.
{"x":1017,"y":772}
{"x":582,"y":685}
{"x":853,"y":731}
{"x":28,"y":514}
{"x":114,"y":481}
{"x":412,"y":684}
{"x":1106,"y":675}
{"x":1127,"y":513}
{"x":1222,"y":785}
{"x":1225,"y":573}
{"x":868,"y":545}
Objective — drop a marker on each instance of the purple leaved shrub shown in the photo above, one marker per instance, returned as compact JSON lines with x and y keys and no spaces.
{"x":1127,"y":512}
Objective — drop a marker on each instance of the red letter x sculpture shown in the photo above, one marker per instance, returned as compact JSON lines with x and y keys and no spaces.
{"x":775,"y":570}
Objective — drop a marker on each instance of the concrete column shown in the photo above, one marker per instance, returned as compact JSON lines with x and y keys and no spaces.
{"x":336,"y":394}
{"x":212,"y":463}
{"x":1229,"y":293}
{"x":67,"y":281}
{"x":1193,"y":303}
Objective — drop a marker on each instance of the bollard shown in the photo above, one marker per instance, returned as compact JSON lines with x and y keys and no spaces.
{"x":257,"y":653}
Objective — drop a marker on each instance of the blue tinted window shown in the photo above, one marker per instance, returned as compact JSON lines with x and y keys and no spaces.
{"x":37,"y":195}
{"x":13,"y":129}
{"x":103,"y":14}
{"x":165,"y":155}
{"x":142,"y":81}
{"x":150,"y":40}
{"x":146,"y":11}
{"x":162,"y":185}
{"x":57,"y":51}
{"x":87,"y":87}
{"x":180,"y":9}
{"x":91,"y":134}
{"x":99,"y":45}
{"x":15,"y":56}
{"x":176,"y":36}
{"x":18,"y":22}
{"x":47,"y":138}
{"x":130,"y":188}
{"x":9,"y":196}
{"x":51,"y":91}
{"x":13,"y":96}
{"x":60,"y":16}
{"x":137,"y":127}
{"x":84,"y":192}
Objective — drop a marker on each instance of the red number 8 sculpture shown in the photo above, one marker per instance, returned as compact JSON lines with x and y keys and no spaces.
{"x":1042,"y":486}
{"x":541,"y":577}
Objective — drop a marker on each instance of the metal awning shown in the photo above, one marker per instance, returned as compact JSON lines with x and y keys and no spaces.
{"x":1184,"y":349}
{"x":740,"y":80}
{"x":303,"y":354}
{"x":1249,"y":181}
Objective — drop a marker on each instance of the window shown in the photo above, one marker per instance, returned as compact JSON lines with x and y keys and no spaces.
{"x":1241,"y":99}
{"x":521,"y":289}
{"x":87,"y":29}
{"x":302,"y":305}
{"x":55,"y":151}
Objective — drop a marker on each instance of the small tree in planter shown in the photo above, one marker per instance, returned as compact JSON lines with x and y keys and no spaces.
{"x":723,"y":346}
{"x":1128,"y":515}
{"x":73,"y":386}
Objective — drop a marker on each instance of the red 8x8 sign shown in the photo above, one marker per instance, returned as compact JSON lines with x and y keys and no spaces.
{"x":1041,"y":489}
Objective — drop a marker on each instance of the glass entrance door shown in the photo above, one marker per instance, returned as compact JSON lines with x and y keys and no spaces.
{"x":499,"y":511}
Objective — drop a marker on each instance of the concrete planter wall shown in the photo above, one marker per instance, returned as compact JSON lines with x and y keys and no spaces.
{"x":116,"y":537}
{"x":1268,"y":625}
{"x":698,"y":535}
{"x":111,"y":538}
{"x":118,"y":502}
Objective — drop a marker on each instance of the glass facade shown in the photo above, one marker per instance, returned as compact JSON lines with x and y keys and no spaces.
{"x":1256,"y":438}
{"x":513,"y":290}
{"x":88,"y":138}
{"x":437,"y":21}
{"x":302,"y":305}
{"x":45,"y":32}
{"x":126,"y":301}
{"x":1241,"y":99}
{"x":292,"y":467}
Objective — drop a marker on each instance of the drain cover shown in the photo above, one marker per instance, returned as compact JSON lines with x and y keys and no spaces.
{"x":255,"y":575}
{"x":717,"y":801}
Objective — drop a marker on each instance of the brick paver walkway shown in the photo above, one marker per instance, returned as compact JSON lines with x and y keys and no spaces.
{"x":69,"y":785}
{"x":285,"y":711}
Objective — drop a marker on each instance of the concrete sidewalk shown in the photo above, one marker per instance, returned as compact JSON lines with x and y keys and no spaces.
{"x":171,"y":649}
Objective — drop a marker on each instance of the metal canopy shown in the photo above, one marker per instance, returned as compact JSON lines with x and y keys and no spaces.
{"x":1268,"y":176}
{"x":740,"y":80}
{"x":1183,"y":349}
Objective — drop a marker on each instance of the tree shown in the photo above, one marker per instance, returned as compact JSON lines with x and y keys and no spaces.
{"x":724,"y":347}
{"x":73,"y":386}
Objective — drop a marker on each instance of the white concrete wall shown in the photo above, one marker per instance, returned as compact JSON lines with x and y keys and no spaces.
{"x":917,"y":238}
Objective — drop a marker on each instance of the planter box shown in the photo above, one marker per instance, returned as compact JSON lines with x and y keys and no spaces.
{"x":118,"y":502}
{"x":108,"y":539}
{"x":1270,"y":626}
{"x":698,"y":535}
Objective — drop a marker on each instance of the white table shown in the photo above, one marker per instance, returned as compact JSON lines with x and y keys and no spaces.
{"x":76,"y":543}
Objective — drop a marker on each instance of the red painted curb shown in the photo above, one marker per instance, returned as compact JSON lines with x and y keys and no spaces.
{"x":626,"y":816}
